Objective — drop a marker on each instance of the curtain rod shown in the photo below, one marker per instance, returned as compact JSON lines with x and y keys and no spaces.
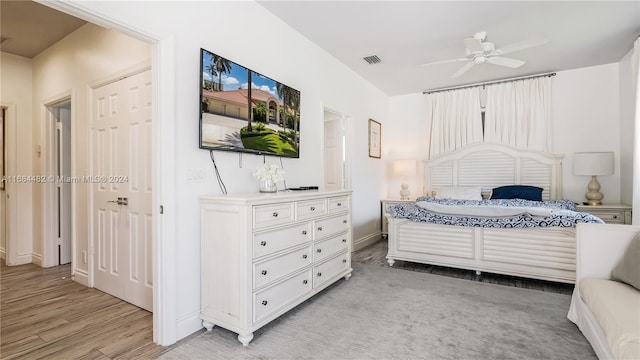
{"x":487,"y":83}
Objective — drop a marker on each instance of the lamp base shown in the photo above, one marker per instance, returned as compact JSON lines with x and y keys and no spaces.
{"x":404,"y":192}
{"x":594,"y":196}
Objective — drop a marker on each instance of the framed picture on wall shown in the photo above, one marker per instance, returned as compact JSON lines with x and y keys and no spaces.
{"x":375,"y":129}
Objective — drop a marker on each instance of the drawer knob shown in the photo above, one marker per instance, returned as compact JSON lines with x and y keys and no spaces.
{"x":319,"y":250}
{"x":304,"y":256}
{"x":275,"y":214}
{"x":304,"y":232}
{"x":263,"y":243}
{"x":319,"y":274}
{"x":304,"y":282}
{"x":339,"y":204}
{"x":615,"y":216}
{"x":264,"y":272}
{"x":319,"y":228}
{"x":264,"y":302}
{"x":344,"y":221}
{"x":313,"y":208}
{"x":344,"y":260}
{"x":344,"y":240}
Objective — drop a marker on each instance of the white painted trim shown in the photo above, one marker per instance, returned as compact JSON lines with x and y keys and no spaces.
{"x":37,"y":259}
{"x":80,"y":276}
{"x":365,"y":241}
{"x":164,"y":226}
{"x":11,"y":208}
{"x":189,"y":324}
{"x":164,"y":240}
{"x":48,"y":204}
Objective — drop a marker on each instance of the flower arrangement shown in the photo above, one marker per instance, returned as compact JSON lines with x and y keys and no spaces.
{"x":268,"y":172}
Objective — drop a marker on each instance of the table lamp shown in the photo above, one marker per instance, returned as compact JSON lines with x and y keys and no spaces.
{"x":404,"y":168}
{"x":593,"y":164}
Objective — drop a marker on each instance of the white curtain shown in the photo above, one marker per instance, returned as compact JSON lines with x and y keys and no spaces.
{"x":635,"y":71}
{"x":518,"y":113}
{"x":455,"y":119}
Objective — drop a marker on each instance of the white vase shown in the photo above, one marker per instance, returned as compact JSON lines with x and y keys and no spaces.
{"x":268,"y":186}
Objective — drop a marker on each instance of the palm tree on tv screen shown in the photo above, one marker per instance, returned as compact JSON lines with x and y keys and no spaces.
{"x":222,"y":66}
{"x":212,"y":70}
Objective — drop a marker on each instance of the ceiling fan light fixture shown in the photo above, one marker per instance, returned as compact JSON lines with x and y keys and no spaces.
{"x":479,"y":59}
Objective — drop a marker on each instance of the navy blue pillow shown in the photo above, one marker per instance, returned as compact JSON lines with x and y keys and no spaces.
{"x":517,"y":192}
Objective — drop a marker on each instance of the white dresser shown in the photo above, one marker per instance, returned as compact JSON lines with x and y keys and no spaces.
{"x":263,"y":254}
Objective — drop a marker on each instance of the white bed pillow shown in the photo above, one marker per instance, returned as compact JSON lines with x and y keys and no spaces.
{"x":459,"y":192}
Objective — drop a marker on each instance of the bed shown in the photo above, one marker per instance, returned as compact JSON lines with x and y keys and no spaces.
{"x":546,"y":253}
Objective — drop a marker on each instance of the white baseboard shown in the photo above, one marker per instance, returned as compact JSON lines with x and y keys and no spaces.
{"x":81,"y":277}
{"x":188,"y":324}
{"x":366,"y":241}
{"x":36,"y":259}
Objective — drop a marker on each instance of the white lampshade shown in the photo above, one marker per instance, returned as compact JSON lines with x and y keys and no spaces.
{"x":593,"y":163}
{"x":405,"y":167}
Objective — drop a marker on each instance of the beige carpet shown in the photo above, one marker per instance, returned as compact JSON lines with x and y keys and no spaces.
{"x":388,"y":313}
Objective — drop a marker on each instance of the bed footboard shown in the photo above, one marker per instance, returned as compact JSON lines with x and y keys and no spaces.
{"x":538,"y":253}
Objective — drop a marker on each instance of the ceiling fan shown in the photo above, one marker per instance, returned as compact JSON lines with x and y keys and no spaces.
{"x":482,"y":52}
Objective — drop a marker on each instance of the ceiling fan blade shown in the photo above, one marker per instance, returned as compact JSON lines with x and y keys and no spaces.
{"x":473,"y":44}
{"x":521,"y":45}
{"x":504,"y":61}
{"x":445,"y":61}
{"x":463,"y":69}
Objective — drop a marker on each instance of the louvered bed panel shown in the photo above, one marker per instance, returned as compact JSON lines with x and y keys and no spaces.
{"x":493,"y":165}
{"x":540,"y":253}
{"x":441,"y":240}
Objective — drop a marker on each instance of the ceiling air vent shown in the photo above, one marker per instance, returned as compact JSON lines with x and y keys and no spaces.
{"x":373,"y":59}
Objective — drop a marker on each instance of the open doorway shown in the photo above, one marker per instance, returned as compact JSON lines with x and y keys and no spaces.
{"x":336,"y":156}
{"x":58,"y":213}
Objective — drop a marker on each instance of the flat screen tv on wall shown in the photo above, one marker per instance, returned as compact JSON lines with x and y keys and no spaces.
{"x":241,"y":110}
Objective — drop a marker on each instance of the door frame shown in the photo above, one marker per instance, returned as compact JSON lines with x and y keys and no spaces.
{"x":347,"y":124}
{"x":165,"y":322}
{"x":12,"y":257}
{"x":49,"y":203}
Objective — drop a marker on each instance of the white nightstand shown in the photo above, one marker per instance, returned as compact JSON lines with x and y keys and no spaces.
{"x":385,"y":206}
{"x":610,"y":214}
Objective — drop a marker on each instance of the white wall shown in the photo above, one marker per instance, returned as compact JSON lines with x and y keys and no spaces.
{"x":16,"y":93}
{"x":246,"y":33}
{"x":89,"y":54}
{"x":406,"y":138}
{"x":586,"y":117}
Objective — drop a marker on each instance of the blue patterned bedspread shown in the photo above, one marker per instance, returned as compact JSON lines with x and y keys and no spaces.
{"x":563,"y":214}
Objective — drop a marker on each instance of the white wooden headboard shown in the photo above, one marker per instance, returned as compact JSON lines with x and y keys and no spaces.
{"x":493,"y":165}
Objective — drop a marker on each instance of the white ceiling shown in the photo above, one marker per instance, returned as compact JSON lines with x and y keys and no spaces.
{"x":28,"y":28}
{"x":406,"y":34}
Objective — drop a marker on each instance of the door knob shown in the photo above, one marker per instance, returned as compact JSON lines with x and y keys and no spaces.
{"x":120,"y":201}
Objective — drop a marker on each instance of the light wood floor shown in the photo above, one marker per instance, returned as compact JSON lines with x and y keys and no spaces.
{"x":45,"y":314}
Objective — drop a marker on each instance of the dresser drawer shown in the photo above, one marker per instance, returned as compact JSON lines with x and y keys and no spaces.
{"x":269,"y":215}
{"x":610,"y":217}
{"x":268,"y":242}
{"x":337,"y":204}
{"x":327,"y":270}
{"x":311,"y":208}
{"x":266,"y":271}
{"x":270,"y":300}
{"x":330,"y":226}
{"x":328,"y":248}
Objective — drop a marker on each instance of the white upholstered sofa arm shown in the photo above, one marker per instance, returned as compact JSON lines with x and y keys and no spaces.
{"x":599,"y":247}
